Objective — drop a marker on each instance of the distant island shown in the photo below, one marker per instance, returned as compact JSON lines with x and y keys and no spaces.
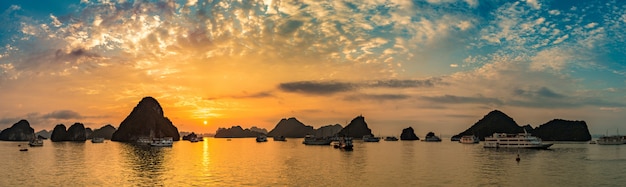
{"x":555,"y":130}
{"x":146,"y":120}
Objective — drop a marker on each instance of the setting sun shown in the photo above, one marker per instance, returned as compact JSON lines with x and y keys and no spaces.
{"x":204,"y":122}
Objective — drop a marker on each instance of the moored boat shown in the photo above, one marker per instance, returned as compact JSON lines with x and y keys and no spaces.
{"x":469,"y":139}
{"x":312,"y":140}
{"x":35,"y":142}
{"x":370,"y":138}
{"x":97,"y":140}
{"x":261,"y":138}
{"x":520,"y":140}
{"x":611,"y":140}
{"x":431,"y":137}
{"x":279,"y":138}
{"x":162,"y":142}
{"x":391,"y":138}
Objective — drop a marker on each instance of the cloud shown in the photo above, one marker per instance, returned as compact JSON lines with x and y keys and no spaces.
{"x":377,"y":97}
{"x":541,"y":92}
{"x":316,"y":87}
{"x":62,"y":114}
{"x":452,"y":99}
{"x":405,"y":83}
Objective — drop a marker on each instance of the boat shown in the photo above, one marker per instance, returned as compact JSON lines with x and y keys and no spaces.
{"x":97,"y":140}
{"x":430,"y":137}
{"x":261,"y":138}
{"x":312,"y":140}
{"x":370,"y":138}
{"x":345,"y":143}
{"x":469,"y":139}
{"x":194,"y":139}
{"x":611,"y":140}
{"x":520,"y":140}
{"x":391,"y":138}
{"x":279,"y":138}
{"x":23,"y":149}
{"x":162,"y":142}
{"x":35,"y":142}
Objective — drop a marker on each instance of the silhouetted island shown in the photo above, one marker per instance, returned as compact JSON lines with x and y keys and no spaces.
{"x":76,"y":132}
{"x":408,"y":134}
{"x":555,"y":130}
{"x":235,"y":132}
{"x":20,"y":131}
{"x":105,"y":132}
{"x":146,"y":120}
{"x":43,"y":134}
{"x":328,"y":130}
{"x":291,"y":128}
{"x":357,"y":128}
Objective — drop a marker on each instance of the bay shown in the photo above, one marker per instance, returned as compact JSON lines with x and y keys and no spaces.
{"x":244,"y":162}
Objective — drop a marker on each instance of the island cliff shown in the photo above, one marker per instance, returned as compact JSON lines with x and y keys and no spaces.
{"x":357,"y":128}
{"x":408,"y":134}
{"x":76,"y":132}
{"x":555,"y":130}
{"x":146,"y":120}
{"x":235,"y":132}
{"x":105,"y":132}
{"x":291,"y":128}
{"x":328,"y":130}
{"x":20,"y":131}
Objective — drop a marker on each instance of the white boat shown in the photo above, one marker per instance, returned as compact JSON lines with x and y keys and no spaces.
{"x":35,"y":142}
{"x":312,"y":140}
{"x":430,"y":137}
{"x":520,"y":140}
{"x":194,"y":139}
{"x":162,"y":142}
{"x":611,"y":140}
{"x":469,"y":139}
{"x":261,"y":138}
{"x":370,"y":138}
{"x":97,"y":140}
{"x":391,"y":138}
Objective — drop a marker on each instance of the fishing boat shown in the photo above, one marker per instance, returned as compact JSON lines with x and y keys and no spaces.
{"x":312,"y":140}
{"x":35,"y":142}
{"x":520,"y":140}
{"x":97,"y":140}
{"x":162,"y":142}
{"x":469,"y":139}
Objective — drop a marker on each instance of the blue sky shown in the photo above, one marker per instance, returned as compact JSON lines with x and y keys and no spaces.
{"x":435,"y":65}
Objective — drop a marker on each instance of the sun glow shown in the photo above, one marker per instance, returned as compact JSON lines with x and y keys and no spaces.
{"x":204,"y":122}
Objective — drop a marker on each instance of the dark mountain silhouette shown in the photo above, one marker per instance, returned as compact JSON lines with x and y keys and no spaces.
{"x":44,"y":134}
{"x":105,"y":132}
{"x":88,"y":133}
{"x":259,"y":130}
{"x":190,"y":136}
{"x":146,"y":120}
{"x":408,"y":134}
{"x":76,"y":132}
{"x":59,"y":133}
{"x":563,"y":130}
{"x":555,"y":130}
{"x":291,"y":128}
{"x":20,"y":131}
{"x":357,"y":128}
{"x":235,"y":132}
{"x":328,"y":130}
{"x":495,"y":121}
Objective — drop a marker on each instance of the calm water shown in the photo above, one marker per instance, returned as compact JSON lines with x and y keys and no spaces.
{"x":244,"y":162}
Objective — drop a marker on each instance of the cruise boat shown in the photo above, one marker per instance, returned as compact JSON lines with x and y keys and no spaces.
{"x":261,"y":138}
{"x":391,"y":138}
{"x":520,"y":140}
{"x":345,"y":143}
{"x":312,"y":140}
{"x":35,"y":142}
{"x":430,"y":137}
{"x":97,"y":140}
{"x":162,"y":142}
{"x":611,"y":140}
{"x":370,"y":138}
{"x":469,"y":139}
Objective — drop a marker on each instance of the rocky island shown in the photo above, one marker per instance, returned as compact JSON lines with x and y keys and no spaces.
{"x":20,"y":131}
{"x":408,"y":134}
{"x":357,"y":128}
{"x":291,"y":128}
{"x":76,"y":132}
{"x":146,"y":120}
{"x":555,"y":130}
{"x":236,"y":132}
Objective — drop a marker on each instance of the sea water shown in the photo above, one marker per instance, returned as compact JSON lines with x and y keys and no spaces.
{"x":244,"y":162}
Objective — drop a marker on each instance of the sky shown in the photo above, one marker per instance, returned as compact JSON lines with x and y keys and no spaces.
{"x":434,"y":65}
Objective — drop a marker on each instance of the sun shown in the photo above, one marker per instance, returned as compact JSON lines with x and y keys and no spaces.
{"x":204,"y":122}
